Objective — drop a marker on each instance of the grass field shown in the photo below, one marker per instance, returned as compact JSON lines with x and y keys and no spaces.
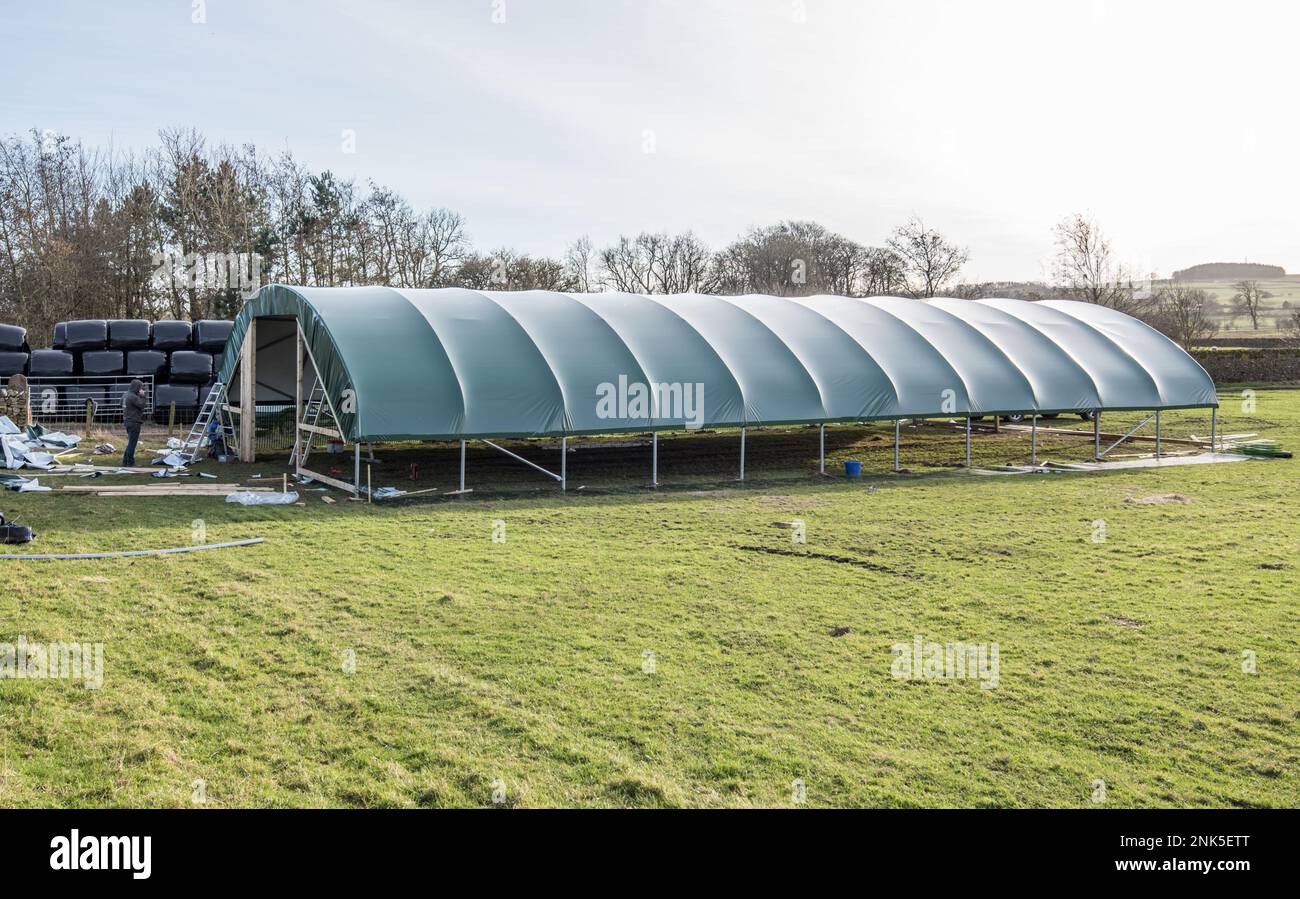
{"x":627,"y":647}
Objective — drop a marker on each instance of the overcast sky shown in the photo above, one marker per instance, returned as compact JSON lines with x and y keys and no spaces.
{"x":1174,"y":123}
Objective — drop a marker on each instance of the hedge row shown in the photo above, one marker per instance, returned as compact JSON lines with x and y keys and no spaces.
{"x":1232,"y":366}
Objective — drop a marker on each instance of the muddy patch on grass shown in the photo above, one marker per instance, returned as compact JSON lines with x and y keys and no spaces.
{"x":1126,"y":622}
{"x":828,"y":557}
{"x":1160,"y":499}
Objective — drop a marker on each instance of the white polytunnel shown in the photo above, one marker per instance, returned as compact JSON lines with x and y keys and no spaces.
{"x":457,"y":364}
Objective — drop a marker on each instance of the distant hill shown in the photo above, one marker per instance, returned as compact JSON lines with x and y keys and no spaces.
{"x":1230,"y":271}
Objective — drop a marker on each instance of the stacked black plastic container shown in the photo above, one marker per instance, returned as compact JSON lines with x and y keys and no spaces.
{"x":14,"y":351}
{"x":183,"y":359}
{"x":193,"y":360}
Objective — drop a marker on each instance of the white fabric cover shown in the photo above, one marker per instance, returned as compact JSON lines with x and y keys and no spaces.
{"x":454,"y":363}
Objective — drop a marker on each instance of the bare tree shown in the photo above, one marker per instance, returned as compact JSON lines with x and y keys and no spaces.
{"x":504,"y":269}
{"x":1183,"y":314}
{"x":442,"y":243}
{"x":929,"y":259}
{"x":687,"y":266}
{"x":75,"y":235}
{"x":801,"y":258}
{"x":1085,"y":268}
{"x":91,"y":234}
{"x":183,"y":172}
{"x":628,"y":265}
{"x":408,"y":249}
{"x":659,"y":263}
{"x":1248,"y":300}
{"x":1289,"y":325}
{"x":884,"y":274}
{"x":966,"y":291}
{"x":580,"y":263}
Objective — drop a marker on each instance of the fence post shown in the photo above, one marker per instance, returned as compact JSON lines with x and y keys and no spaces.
{"x":90,"y":416}
{"x":171,"y":419}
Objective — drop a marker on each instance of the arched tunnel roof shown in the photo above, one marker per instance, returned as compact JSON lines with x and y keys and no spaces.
{"x":455,"y":363}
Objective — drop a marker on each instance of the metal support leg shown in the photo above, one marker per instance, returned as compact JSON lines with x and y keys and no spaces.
{"x":462,"y":466}
{"x":821,"y":450}
{"x":1033,"y":441}
{"x":654,"y":458}
{"x":564,"y":464}
{"x":742,"y":454}
{"x":968,"y":441}
{"x":898,"y":424}
{"x":1157,"y":433}
{"x":1139,"y":426}
{"x":356,"y":466}
{"x":1214,"y":430}
{"x":1096,"y":435}
{"x":533,"y":465}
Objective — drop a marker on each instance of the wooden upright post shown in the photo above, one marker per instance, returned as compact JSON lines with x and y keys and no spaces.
{"x":248,"y":395}
{"x":297,"y":394}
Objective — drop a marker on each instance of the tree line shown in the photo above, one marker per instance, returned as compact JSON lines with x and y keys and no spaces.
{"x":95,"y":233}
{"x":162,"y":233}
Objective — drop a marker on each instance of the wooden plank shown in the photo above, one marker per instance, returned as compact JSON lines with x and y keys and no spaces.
{"x":1104,"y":436}
{"x":317,"y":429}
{"x":1222,"y":438}
{"x":109,"y":488}
{"x":326,"y":479}
{"x":1163,"y":455}
{"x":411,"y":493}
{"x":248,"y":395}
{"x":216,"y":493}
{"x":79,"y":470}
{"x":155,"y":482}
{"x":172,"y":492}
{"x":185,"y":490}
{"x":171,"y":485}
{"x":192,"y":488}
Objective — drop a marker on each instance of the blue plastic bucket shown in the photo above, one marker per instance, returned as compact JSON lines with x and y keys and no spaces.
{"x":853,"y":468}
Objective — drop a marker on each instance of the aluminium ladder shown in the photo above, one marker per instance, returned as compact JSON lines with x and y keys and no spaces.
{"x":198,"y":435}
{"x":311,"y":412}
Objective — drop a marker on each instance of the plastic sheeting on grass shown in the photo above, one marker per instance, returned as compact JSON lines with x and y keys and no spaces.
{"x":263,"y":499}
{"x":29,"y":448}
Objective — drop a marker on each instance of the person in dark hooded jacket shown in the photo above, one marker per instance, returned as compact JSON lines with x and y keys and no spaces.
{"x":133,"y":409}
